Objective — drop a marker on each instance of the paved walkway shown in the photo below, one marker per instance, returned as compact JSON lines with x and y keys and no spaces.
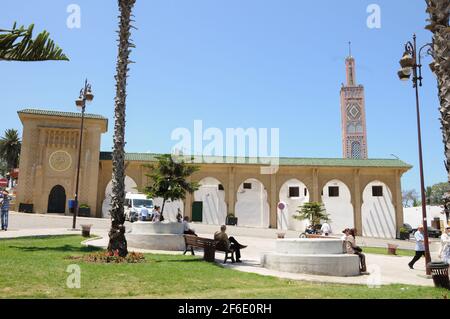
{"x":383,"y":269}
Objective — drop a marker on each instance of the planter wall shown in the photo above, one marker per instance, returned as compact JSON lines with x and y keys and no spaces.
{"x":231,"y":220}
{"x":26,"y":208}
{"x":84,"y":212}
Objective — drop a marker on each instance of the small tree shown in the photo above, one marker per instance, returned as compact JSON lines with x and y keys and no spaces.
{"x":409,"y":197}
{"x":313,"y":211}
{"x":170,"y":180}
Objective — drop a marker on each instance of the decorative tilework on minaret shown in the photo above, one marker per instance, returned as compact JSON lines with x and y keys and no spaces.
{"x":354,"y":135}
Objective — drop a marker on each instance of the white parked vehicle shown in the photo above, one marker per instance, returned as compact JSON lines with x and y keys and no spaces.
{"x":133,"y":205}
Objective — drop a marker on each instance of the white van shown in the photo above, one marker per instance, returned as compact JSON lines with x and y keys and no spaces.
{"x":133,"y":205}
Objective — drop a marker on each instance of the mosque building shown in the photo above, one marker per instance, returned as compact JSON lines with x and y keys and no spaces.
{"x":355,"y":190}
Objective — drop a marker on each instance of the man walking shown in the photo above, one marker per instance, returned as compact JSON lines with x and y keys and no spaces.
{"x":420,"y":247}
{"x":5,"y":209}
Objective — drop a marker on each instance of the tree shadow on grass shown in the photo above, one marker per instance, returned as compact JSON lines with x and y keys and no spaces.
{"x":198,"y":260}
{"x":177,"y":260}
{"x":65,"y":248}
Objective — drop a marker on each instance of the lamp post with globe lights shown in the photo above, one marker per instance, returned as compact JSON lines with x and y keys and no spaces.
{"x":85,"y":97}
{"x":411,"y":64}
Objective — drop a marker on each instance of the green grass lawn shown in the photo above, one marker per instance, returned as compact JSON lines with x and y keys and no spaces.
{"x":383,"y":251}
{"x":36,"y":268}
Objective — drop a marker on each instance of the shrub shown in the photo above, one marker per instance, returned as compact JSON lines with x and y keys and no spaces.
{"x":107,"y":257}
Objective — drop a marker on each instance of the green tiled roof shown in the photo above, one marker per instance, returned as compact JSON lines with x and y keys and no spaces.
{"x":283,"y":161}
{"x":61,"y":114}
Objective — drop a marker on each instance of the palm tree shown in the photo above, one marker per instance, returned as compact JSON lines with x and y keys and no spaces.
{"x":312,"y":211}
{"x":10,"y":148}
{"x":117,"y":241}
{"x":438,"y":24}
{"x":170,"y":179}
{"x":17,"y":45}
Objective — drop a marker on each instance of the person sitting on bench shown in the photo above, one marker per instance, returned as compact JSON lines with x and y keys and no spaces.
{"x":187,"y":229}
{"x":225,"y":242}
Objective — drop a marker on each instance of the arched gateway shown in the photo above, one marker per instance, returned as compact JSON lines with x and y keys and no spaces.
{"x":57,"y":200}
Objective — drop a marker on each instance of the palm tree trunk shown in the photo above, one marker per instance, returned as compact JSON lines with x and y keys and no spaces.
{"x":117,"y":241}
{"x":439,"y":11}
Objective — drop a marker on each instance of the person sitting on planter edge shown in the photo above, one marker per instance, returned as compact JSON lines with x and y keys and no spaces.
{"x":187,"y":229}
{"x":352,"y":248}
{"x":226,"y":243}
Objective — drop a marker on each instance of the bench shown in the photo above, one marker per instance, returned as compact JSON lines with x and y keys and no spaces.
{"x":210,"y":246}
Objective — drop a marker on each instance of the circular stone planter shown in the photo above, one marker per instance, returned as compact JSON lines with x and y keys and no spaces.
{"x":156,"y":236}
{"x":312,"y":256}
{"x":310,"y":246}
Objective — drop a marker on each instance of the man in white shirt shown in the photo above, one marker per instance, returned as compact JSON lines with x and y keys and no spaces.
{"x":420,"y":247}
{"x":144,"y":213}
{"x":326,"y":229}
{"x":187,"y":229}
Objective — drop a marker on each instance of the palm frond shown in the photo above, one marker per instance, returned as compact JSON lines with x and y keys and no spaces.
{"x":18,"y":45}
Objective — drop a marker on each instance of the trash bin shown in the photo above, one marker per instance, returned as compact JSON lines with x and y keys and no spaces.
{"x":86,"y":230}
{"x":439,"y":271}
{"x":392,"y":249}
{"x":72,"y":205}
{"x":209,"y":252}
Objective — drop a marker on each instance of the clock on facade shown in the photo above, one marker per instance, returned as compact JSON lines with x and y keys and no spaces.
{"x":60,"y":161}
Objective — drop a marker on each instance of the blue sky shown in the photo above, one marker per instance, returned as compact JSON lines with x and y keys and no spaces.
{"x":236,"y":63}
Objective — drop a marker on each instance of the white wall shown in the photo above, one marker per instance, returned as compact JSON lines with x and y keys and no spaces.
{"x":214,"y":206}
{"x":252,"y":208}
{"x":130,"y":187}
{"x":285,"y":219}
{"x":170,"y":208}
{"x":340,"y":209}
{"x":378,"y":213}
{"x":413,"y":215}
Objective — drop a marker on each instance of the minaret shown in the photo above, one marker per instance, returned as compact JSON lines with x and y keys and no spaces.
{"x":353,"y":113}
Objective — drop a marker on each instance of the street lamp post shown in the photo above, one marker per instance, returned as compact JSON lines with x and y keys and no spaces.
{"x":411,"y":63}
{"x":85,"y":96}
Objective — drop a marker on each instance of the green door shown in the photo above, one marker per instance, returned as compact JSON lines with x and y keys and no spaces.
{"x":197,"y":211}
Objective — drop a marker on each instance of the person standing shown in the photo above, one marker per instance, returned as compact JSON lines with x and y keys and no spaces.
{"x":445,"y":246}
{"x":156,"y":214}
{"x":179,"y":217}
{"x":326,"y":229}
{"x":5,"y":209}
{"x":144,"y":213}
{"x":420,"y":247}
{"x":228,"y":243}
